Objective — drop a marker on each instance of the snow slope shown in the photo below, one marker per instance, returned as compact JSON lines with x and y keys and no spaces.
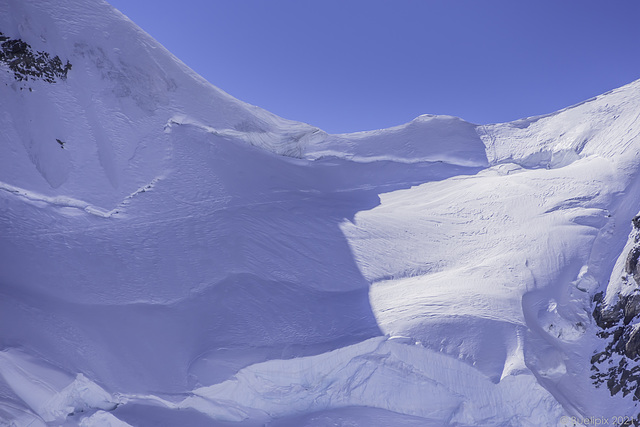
{"x":173,"y":255}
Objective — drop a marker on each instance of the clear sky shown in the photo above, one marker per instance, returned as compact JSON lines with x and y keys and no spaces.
{"x":350,"y":65}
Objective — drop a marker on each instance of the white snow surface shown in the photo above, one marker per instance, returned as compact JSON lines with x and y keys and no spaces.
{"x":189,"y":259}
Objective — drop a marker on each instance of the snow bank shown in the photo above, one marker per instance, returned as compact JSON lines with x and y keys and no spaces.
{"x":102,"y":419}
{"x":379,"y":373}
{"x":49,"y":392}
{"x":426,"y":139}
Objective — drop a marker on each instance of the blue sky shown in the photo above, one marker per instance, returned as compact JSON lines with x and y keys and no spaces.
{"x":350,"y":65}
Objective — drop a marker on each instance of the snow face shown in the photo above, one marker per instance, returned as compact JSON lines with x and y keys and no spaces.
{"x":604,"y":126}
{"x":122,"y":87}
{"x":171,"y":254}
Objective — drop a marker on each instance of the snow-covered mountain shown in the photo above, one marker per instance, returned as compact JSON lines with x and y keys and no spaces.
{"x":173,"y":256}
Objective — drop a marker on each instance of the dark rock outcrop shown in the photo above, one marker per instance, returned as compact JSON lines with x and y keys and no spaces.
{"x":28,"y":64}
{"x":606,"y":318}
{"x":631,"y":308}
{"x":618,"y":364}
{"x":631,"y":266}
{"x":632,"y":344}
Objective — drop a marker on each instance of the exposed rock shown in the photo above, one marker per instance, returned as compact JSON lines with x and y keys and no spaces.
{"x":631,"y":265}
{"x":631,"y":308}
{"x":598,"y":358}
{"x":606,"y":317}
{"x":632,"y":346}
{"x":622,"y":335}
{"x":28,"y":64}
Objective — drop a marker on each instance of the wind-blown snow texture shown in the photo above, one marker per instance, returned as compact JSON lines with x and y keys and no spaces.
{"x":172,"y":255}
